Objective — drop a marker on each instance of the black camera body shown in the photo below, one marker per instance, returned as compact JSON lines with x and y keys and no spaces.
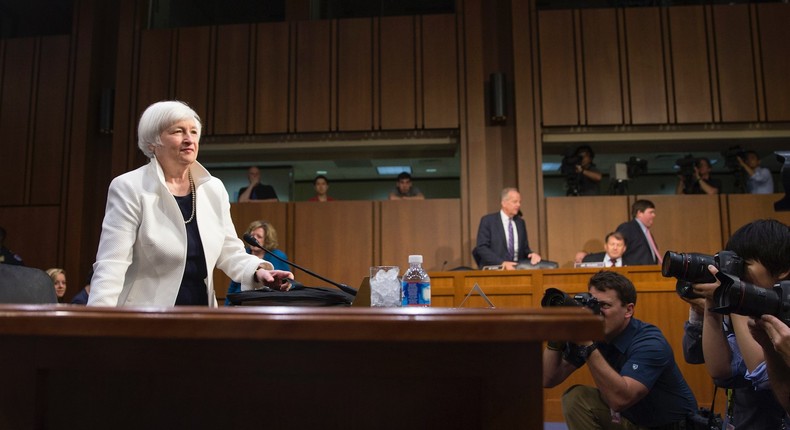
{"x":554,"y":297}
{"x":731,"y":158}
{"x":686,"y":168}
{"x":692,"y":268}
{"x":705,"y":419}
{"x":735,"y":296}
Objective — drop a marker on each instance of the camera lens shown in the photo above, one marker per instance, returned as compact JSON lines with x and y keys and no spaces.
{"x":688,"y":267}
{"x":743,"y":298}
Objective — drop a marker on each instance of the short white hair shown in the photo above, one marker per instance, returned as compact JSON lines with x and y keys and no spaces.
{"x":157,"y":118}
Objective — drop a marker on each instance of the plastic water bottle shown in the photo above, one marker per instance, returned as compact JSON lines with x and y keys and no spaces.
{"x":416,"y":284}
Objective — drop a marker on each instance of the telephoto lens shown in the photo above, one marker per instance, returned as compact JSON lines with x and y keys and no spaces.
{"x":688,"y":267}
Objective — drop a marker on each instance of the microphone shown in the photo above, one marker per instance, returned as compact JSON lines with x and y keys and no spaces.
{"x":444,"y":264}
{"x":345,"y":288}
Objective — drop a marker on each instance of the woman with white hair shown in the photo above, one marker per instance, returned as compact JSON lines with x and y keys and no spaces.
{"x":167,"y":224}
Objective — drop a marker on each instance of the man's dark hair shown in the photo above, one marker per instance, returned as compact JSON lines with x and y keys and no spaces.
{"x":604,"y":281}
{"x":585,"y":148}
{"x":641,"y":206}
{"x":766,"y":241}
{"x":698,"y":162}
{"x":615,"y":234}
{"x":404,"y":175}
{"x":315,"y":181}
{"x":749,"y":151}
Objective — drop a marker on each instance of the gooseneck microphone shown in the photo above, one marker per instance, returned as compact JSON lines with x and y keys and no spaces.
{"x":254,"y":242}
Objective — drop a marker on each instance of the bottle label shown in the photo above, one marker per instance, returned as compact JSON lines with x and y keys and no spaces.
{"x":416,"y":293}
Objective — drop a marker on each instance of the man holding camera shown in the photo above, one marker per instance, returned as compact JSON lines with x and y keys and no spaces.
{"x":638,"y":383}
{"x":732,"y":355}
{"x":759,"y":179}
{"x":700,"y":181}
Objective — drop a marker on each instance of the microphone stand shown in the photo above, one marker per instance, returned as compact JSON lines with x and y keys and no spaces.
{"x":343,"y":287}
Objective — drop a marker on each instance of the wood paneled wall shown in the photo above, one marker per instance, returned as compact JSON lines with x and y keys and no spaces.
{"x":679,"y":65}
{"x":309,"y":76}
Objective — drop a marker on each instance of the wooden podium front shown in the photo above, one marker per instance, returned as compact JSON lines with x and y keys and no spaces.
{"x":77,"y":367}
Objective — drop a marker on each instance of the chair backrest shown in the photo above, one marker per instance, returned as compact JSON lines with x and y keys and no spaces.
{"x":25,"y":285}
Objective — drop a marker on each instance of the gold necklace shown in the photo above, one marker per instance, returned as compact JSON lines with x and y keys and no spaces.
{"x":192,"y":189}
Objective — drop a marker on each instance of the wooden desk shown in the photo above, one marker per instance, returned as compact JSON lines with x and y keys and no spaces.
{"x":77,"y":367}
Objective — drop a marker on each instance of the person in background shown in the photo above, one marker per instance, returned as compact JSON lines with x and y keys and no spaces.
{"x":502,"y":236}
{"x":405,"y":190}
{"x":613,"y":251}
{"x":167,"y":224}
{"x":321,"y":185}
{"x":589,"y":176}
{"x":82,"y":297}
{"x":640,"y":248}
{"x":6,"y":256}
{"x":760,"y":180}
{"x":59,"y":281}
{"x":638,"y":385}
{"x":266,"y":235}
{"x":702,"y":182}
{"x":256,"y":190}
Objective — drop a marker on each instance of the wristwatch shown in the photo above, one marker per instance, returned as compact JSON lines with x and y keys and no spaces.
{"x":585,"y":351}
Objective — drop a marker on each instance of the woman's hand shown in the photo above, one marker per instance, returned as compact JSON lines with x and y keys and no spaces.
{"x":274,"y":279}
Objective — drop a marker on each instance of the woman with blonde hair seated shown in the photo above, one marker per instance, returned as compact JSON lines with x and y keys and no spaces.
{"x":266,"y":235}
{"x":58,"y":281}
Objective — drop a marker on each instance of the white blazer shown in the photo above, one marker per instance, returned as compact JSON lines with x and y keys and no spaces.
{"x":143,"y":246}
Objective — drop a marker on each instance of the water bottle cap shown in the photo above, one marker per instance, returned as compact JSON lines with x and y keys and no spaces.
{"x":415,"y":259}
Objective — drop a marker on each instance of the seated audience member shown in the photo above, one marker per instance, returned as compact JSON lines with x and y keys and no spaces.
{"x":257,"y":190}
{"x":6,"y":256}
{"x":640,"y":247}
{"x":613,"y":251}
{"x":502,"y":236}
{"x":59,"y":281}
{"x":266,"y":235}
{"x":82,"y":297}
{"x":321,"y":185}
{"x":760,"y":180}
{"x":638,"y":385}
{"x":731,"y":354}
{"x":405,"y":190}
{"x":701,"y":182}
{"x":589,"y":177}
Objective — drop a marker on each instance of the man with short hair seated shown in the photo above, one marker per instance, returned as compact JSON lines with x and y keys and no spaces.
{"x":614,"y":248}
{"x":638,"y":383}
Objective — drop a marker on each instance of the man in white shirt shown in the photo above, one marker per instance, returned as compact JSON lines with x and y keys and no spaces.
{"x":613,"y":251}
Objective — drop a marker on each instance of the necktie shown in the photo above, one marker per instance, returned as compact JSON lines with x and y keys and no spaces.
{"x":511,"y":248}
{"x":653,"y":246}
{"x":613,"y":263}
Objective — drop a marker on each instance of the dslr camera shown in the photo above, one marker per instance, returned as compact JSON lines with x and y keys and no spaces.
{"x":733,"y":296}
{"x":554,"y":297}
{"x":686,"y":169}
{"x":692,"y":268}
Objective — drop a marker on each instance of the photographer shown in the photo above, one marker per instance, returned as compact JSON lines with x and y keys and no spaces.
{"x":760,"y":180}
{"x":638,"y":383}
{"x":583,"y":178}
{"x":699,"y":182}
{"x":730,"y":352}
{"x":589,"y":176}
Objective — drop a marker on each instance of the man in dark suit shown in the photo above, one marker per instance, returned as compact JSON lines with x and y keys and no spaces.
{"x":613,"y":251}
{"x":640,"y":246}
{"x":502,"y":236}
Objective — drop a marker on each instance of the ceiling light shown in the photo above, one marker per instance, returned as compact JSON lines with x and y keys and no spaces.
{"x":393,"y":170}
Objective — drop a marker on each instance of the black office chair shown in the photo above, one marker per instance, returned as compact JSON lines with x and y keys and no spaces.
{"x":25,"y":285}
{"x":543,"y":264}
